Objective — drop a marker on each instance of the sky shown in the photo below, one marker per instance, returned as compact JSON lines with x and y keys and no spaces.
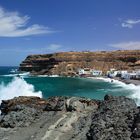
{"x":48,"y":26}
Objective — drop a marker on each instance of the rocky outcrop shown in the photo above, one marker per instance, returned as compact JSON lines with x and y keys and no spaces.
{"x":24,"y":110}
{"x":67,"y":63}
{"x":54,"y":118}
{"x":114,"y":119}
{"x":70,"y":118}
{"x":21,"y":111}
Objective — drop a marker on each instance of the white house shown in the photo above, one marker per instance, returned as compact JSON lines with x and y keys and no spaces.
{"x":84,"y":71}
{"x":129,"y":75}
{"x":81,"y":71}
{"x":124,"y":73}
{"x":96,"y":72}
{"x":138,"y":74}
{"x":87,"y":71}
{"x":132,"y":75}
{"x":125,"y":76}
{"x":112,"y":73}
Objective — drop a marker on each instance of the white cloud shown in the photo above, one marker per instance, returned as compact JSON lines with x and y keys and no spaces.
{"x":126,"y":25}
{"x":12,"y":24}
{"x":132,"y":45}
{"x":130,"y":23}
{"x":54,"y":47}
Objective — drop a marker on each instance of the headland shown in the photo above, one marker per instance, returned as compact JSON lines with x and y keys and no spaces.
{"x":68,"y":63}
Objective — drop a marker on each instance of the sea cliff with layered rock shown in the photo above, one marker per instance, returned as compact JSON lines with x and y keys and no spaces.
{"x":67,"y":63}
{"x":69,"y":118}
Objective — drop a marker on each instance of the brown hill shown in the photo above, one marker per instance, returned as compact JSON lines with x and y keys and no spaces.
{"x":67,"y":63}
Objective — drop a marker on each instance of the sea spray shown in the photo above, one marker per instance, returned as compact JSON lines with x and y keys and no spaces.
{"x":136,"y":94}
{"x":135,"y":89}
{"x":17,"y":87}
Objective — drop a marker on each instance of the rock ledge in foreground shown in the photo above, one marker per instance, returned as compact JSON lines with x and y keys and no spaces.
{"x":70,"y":118}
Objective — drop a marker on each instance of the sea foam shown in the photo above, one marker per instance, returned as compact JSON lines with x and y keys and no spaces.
{"x":135,"y":90}
{"x":25,"y":74}
{"x":17,"y":87}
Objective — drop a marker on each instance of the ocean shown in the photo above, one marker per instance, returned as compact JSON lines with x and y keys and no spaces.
{"x":11,"y":85}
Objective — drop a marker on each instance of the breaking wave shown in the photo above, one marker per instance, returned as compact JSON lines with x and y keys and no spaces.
{"x":135,"y":90}
{"x":17,"y":87}
{"x":25,"y":74}
{"x":136,"y":94}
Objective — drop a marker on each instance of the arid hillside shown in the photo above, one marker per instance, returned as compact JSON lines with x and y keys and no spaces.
{"x":67,"y":63}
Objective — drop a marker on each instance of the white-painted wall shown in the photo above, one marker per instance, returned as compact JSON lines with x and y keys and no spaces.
{"x":96,"y":72}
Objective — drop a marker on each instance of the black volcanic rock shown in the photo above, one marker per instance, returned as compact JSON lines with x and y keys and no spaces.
{"x":55,"y":104}
{"x":70,"y":118}
{"x":136,"y":127}
{"x":113,"y":120}
{"x":21,"y":111}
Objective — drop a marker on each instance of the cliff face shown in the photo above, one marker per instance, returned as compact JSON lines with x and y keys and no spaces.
{"x":67,"y":63}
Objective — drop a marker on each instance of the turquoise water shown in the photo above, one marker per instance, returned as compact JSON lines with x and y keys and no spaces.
{"x":57,"y":86}
{"x":76,"y":87}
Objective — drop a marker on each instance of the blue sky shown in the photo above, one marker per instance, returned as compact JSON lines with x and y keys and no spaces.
{"x":45,"y":26}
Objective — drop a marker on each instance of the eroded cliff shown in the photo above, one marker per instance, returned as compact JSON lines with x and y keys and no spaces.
{"x":67,"y":63}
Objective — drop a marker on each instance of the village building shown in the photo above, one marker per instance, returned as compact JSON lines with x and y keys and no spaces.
{"x":129,"y":75}
{"x":116,"y":73}
{"x":84,"y":71}
{"x":112,"y":73}
{"x":96,"y":72}
{"x":89,"y":72}
{"x":124,"y":73}
{"x":81,"y":71}
{"x":138,"y":74}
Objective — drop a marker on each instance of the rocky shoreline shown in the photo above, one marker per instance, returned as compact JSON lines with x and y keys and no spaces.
{"x":69,"y":118}
{"x":128,"y":81}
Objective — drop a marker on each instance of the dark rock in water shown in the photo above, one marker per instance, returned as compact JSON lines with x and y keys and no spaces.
{"x":70,"y":118}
